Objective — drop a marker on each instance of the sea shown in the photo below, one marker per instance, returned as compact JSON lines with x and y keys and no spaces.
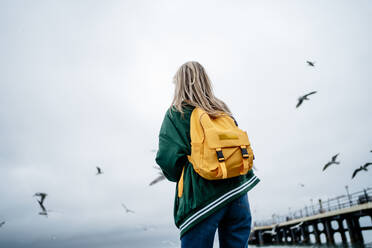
{"x":154,"y":239}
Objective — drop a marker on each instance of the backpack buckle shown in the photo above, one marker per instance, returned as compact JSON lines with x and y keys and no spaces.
{"x":244,"y":152}
{"x":220,"y":156}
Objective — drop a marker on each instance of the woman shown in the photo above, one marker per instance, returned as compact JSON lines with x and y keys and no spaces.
{"x":204,"y":205}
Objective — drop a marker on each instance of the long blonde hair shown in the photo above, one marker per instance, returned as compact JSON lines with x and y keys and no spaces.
{"x":194,"y":88}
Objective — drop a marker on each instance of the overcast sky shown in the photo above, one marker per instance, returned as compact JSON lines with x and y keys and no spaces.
{"x":87,"y":83}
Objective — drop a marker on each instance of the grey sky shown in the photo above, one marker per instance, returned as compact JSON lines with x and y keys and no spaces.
{"x":87,"y":83}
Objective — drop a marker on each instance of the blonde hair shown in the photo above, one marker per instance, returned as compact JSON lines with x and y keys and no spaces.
{"x":194,"y":88}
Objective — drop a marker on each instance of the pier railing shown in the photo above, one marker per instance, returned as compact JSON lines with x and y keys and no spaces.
{"x":322,"y":206}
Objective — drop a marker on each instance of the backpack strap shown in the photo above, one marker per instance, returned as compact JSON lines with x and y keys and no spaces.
{"x":180,"y":184}
{"x":236,"y":123}
{"x":245,"y":160}
{"x":221,"y":160}
{"x":206,"y":123}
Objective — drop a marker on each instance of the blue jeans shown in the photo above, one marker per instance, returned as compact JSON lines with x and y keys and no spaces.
{"x":233,"y":223}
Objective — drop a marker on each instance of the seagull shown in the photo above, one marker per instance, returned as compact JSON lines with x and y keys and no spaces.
{"x":2,"y":223}
{"x":301,"y":184}
{"x":311,"y":63}
{"x":159,"y":178}
{"x":41,"y":203}
{"x":99,"y":171}
{"x":302,"y":98}
{"x":364,"y":167}
{"x":297,"y":226}
{"x":331,"y":162}
{"x":127,"y":209}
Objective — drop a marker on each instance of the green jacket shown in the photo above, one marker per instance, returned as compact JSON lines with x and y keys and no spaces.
{"x":201,"y":197}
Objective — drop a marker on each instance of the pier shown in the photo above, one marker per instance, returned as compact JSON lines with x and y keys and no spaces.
{"x":320,"y":223}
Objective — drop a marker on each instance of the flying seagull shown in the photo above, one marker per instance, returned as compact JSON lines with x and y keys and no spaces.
{"x":361,"y":168}
{"x":99,"y":171}
{"x":127,"y":209}
{"x":302,"y":98}
{"x":2,"y":223}
{"x":310,"y":63}
{"x":41,"y":203}
{"x":301,"y":184}
{"x":159,"y":178}
{"x":331,"y":162}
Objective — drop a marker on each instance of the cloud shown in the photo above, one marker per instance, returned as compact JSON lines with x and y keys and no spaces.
{"x":86,"y":85}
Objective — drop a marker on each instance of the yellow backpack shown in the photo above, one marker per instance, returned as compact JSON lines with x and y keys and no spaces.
{"x":219,"y":149}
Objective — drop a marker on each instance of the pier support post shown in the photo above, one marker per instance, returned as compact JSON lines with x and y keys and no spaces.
{"x":283,"y":239}
{"x":354,"y":230}
{"x":305,"y":233}
{"x":280,"y":236}
{"x":293,"y":237}
{"x":260,"y":238}
{"x":342,"y":230}
{"x":277,"y":237}
{"x":316,"y":233}
{"x":329,"y":232}
{"x":285,"y":235}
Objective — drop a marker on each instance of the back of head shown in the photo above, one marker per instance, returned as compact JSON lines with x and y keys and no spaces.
{"x":194,"y":87}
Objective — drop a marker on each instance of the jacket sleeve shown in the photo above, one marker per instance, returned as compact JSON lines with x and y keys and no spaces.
{"x":172,"y":152}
